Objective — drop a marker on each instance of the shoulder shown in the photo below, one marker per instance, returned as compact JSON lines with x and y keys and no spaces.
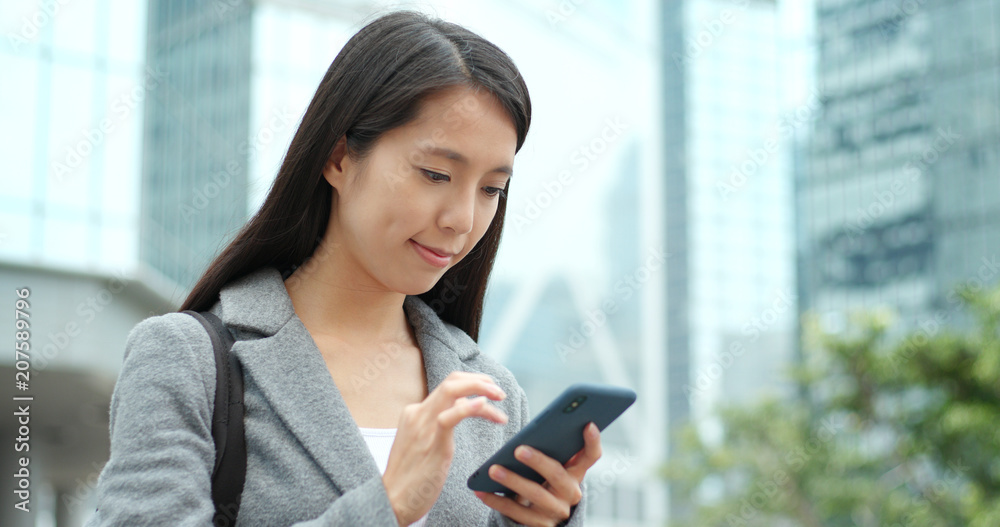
{"x":166,"y":337}
{"x":171,"y":350}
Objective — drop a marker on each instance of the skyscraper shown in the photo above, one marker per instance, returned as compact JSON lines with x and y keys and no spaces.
{"x":194,"y":184}
{"x":899,"y":198}
{"x":732,"y":111}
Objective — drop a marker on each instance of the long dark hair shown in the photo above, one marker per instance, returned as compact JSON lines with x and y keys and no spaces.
{"x":374,"y":84}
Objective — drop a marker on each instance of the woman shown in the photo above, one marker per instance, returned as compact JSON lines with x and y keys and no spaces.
{"x":355,"y":295}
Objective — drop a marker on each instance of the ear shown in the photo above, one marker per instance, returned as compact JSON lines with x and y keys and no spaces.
{"x":333,"y":170}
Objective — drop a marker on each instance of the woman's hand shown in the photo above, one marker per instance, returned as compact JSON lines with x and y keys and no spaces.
{"x":548,"y":504}
{"x":424,"y":447}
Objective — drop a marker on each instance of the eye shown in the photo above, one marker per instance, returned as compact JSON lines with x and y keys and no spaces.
{"x":434,"y":176}
{"x":494,"y":191}
{"x":490,"y":191}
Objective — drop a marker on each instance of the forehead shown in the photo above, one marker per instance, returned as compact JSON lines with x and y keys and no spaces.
{"x":462,"y":116}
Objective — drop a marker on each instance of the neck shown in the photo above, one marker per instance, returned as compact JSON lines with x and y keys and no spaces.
{"x":333,"y":302}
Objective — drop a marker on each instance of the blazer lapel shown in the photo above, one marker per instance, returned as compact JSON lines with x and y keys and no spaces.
{"x":293,"y":376}
{"x":291,"y":373}
{"x":444,"y":353}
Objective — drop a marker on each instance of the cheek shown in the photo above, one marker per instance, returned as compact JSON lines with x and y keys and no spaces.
{"x":404,"y":215}
{"x":484,"y":218}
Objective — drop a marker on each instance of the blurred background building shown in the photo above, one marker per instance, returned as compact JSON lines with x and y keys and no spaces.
{"x":899,"y":203}
{"x":71,"y":101}
{"x":738,"y":101}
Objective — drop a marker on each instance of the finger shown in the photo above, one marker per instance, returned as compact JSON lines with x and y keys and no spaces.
{"x":477,"y":407}
{"x":457,"y":375}
{"x":453,"y":388}
{"x":514,"y":510}
{"x":541,"y":499}
{"x":562,"y":483}
{"x":591,"y":452}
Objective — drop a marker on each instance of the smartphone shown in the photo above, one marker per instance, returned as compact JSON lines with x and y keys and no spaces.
{"x":557,"y":431}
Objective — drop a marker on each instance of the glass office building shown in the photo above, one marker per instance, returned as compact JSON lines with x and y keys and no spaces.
{"x":71,"y":99}
{"x":899,"y":198}
{"x":737,"y":102}
{"x":238,"y":78}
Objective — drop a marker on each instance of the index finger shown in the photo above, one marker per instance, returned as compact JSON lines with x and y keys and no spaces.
{"x":455,"y":386}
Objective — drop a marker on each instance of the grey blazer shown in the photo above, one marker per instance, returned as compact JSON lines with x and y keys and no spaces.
{"x":307,"y":464}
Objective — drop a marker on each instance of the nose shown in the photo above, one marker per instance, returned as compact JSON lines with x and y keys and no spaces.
{"x":459,"y":211}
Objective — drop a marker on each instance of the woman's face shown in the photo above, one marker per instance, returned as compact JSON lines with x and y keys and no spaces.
{"x":428,"y":186}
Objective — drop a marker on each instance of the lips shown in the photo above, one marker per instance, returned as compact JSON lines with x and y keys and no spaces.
{"x":430,"y":255}
{"x":440,"y":252}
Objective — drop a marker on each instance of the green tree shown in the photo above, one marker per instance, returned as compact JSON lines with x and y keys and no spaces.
{"x":887,"y":431}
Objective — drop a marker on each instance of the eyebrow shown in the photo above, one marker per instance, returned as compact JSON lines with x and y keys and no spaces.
{"x":451,"y":154}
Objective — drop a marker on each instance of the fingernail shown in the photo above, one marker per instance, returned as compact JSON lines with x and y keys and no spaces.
{"x":593,"y":430}
{"x":499,"y":472}
{"x":523,"y":452}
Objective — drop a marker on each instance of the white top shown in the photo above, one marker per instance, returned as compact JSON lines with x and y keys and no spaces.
{"x":379,"y":442}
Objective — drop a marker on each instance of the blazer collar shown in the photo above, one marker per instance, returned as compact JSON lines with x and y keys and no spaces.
{"x":258,"y":302}
{"x":289,"y":370}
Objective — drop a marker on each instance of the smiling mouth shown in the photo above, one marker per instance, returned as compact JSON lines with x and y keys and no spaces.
{"x":438,"y":252}
{"x":431,"y":256}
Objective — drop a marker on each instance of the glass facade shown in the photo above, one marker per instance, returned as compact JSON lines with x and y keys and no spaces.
{"x":897,"y":202}
{"x":732,"y":121}
{"x":71,"y":100}
{"x":195,"y":171}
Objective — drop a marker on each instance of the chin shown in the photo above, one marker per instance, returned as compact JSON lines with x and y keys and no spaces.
{"x":418,"y":288}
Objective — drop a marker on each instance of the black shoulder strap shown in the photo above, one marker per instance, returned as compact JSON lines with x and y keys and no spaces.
{"x":230,"y":469}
